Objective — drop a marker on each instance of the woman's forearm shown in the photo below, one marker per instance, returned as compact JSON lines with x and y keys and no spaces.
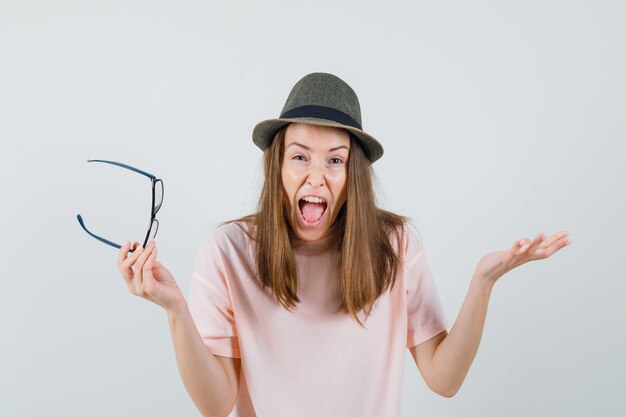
{"x":454,"y":355}
{"x":203,"y":375}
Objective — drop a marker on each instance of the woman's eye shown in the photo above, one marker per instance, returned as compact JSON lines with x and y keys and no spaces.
{"x":333,"y":161}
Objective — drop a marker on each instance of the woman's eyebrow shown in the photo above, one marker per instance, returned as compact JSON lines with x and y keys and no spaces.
{"x":308,"y":149}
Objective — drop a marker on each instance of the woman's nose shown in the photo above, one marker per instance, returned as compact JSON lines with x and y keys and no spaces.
{"x":315,"y":175}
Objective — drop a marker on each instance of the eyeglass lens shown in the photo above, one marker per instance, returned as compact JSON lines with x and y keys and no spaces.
{"x":153,"y":230}
{"x":158,"y":195}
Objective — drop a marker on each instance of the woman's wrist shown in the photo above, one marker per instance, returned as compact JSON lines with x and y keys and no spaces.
{"x":483,"y":282}
{"x":177,"y":308}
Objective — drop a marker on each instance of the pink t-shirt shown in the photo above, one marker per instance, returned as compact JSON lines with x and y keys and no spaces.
{"x":313,"y":361}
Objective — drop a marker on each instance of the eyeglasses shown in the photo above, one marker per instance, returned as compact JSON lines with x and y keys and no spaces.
{"x":157,"y":200}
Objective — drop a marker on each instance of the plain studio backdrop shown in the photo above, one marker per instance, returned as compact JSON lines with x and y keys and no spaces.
{"x":499,"y":120}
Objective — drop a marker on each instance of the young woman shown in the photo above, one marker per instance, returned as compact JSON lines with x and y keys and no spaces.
{"x":307,"y":307}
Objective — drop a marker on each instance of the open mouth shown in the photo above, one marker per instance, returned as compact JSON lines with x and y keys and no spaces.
{"x":312,"y":209}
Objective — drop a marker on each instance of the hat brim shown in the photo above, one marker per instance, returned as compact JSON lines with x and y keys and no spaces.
{"x":264,"y":132}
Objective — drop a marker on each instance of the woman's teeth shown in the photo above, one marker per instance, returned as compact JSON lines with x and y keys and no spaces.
{"x":312,"y":199}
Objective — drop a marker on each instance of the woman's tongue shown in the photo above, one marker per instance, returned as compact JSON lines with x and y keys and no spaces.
{"x":312,"y":212}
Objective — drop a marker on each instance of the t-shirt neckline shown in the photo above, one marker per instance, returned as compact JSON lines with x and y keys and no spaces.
{"x":318,"y":246}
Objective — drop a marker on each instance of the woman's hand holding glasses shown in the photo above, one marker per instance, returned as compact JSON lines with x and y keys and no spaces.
{"x":148,"y":278}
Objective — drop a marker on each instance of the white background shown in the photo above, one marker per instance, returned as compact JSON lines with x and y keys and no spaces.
{"x":499,"y":120}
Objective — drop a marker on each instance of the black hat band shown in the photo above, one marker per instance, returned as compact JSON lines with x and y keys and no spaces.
{"x":321,"y":112}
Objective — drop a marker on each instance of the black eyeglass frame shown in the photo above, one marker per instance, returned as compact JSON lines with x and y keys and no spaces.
{"x":153,"y":211}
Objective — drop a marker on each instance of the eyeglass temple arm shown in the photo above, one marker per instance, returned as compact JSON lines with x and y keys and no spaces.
{"x":119,"y":164}
{"x":101,"y":239}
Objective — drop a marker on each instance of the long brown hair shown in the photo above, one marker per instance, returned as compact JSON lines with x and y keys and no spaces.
{"x":363,"y":232}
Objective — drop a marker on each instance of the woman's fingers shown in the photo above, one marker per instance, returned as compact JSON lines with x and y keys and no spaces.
{"x":123,"y":253}
{"x":532,"y":248}
{"x":556,"y":242}
{"x":137,"y":268}
{"x":555,"y":238}
{"x":148,"y":279}
{"x":525,"y":244}
{"x":542,"y":247}
{"x":138,"y":278}
{"x":125,"y":263}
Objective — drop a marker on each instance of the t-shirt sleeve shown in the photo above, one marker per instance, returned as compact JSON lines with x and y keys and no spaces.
{"x":210,"y":301}
{"x":425,"y":315}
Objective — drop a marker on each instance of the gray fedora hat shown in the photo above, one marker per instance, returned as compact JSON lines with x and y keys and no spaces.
{"x":320,"y":99}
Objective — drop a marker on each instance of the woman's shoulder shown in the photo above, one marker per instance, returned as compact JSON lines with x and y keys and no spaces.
{"x":226,"y":241}
{"x":232,"y":232}
{"x":405,"y":239}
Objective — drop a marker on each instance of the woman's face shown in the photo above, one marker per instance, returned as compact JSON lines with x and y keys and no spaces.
{"x":315,"y":166}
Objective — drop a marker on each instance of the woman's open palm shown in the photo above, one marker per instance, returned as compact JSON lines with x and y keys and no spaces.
{"x":146,"y":277}
{"x":496,"y":264}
